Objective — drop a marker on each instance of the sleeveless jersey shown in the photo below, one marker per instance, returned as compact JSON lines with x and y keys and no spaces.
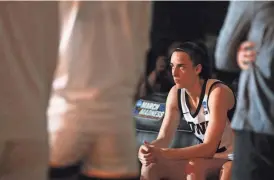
{"x":199,"y":120}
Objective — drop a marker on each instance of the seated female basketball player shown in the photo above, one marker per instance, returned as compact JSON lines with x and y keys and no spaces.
{"x":207,"y":105}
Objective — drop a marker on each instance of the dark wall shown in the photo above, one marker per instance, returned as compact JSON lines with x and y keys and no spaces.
{"x":182,"y":21}
{"x":215,"y":15}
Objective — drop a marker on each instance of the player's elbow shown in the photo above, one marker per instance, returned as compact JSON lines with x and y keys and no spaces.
{"x":209,"y":153}
{"x":210,"y":150}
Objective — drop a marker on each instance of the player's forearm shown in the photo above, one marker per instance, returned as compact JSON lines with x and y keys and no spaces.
{"x":161,"y":143}
{"x":196,"y":151}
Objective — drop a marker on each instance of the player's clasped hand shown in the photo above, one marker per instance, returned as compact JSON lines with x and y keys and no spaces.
{"x":149,"y":154}
{"x":145,"y":154}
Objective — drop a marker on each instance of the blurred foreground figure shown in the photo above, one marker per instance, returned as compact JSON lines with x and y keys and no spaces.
{"x":29,"y":36}
{"x":104,"y":57}
{"x":254,"y":118}
{"x":101,"y":46}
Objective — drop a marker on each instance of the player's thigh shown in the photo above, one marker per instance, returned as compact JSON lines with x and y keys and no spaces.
{"x":165,"y":169}
{"x":205,"y":167}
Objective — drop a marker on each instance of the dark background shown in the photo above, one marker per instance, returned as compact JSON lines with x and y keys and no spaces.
{"x":183,"y":21}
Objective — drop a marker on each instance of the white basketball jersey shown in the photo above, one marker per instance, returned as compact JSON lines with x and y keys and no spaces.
{"x":199,"y":120}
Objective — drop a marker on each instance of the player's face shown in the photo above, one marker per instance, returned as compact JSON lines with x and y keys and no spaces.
{"x":183,"y":71}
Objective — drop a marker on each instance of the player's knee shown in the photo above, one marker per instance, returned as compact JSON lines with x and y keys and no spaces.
{"x":225,"y":173}
{"x":195,"y":164}
{"x":227,"y":166}
{"x":195,"y":167}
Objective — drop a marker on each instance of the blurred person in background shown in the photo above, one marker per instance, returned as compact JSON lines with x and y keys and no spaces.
{"x":246,"y":44}
{"x":95,"y":72}
{"x":159,"y":80}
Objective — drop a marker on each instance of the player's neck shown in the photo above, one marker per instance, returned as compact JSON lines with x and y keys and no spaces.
{"x":195,"y":91}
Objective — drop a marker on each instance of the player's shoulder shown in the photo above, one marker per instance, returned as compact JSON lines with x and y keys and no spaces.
{"x":173,"y":92}
{"x":216,"y":83}
{"x":173,"y":95}
{"x":219,"y":88}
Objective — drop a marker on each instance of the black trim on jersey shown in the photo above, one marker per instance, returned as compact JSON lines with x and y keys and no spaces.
{"x":218,"y":150}
{"x":212,"y":85}
{"x":179,"y":102}
{"x":222,"y":149}
{"x":230,"y":112}
{"x":201,"y":141}
{"x":200,"y":101}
